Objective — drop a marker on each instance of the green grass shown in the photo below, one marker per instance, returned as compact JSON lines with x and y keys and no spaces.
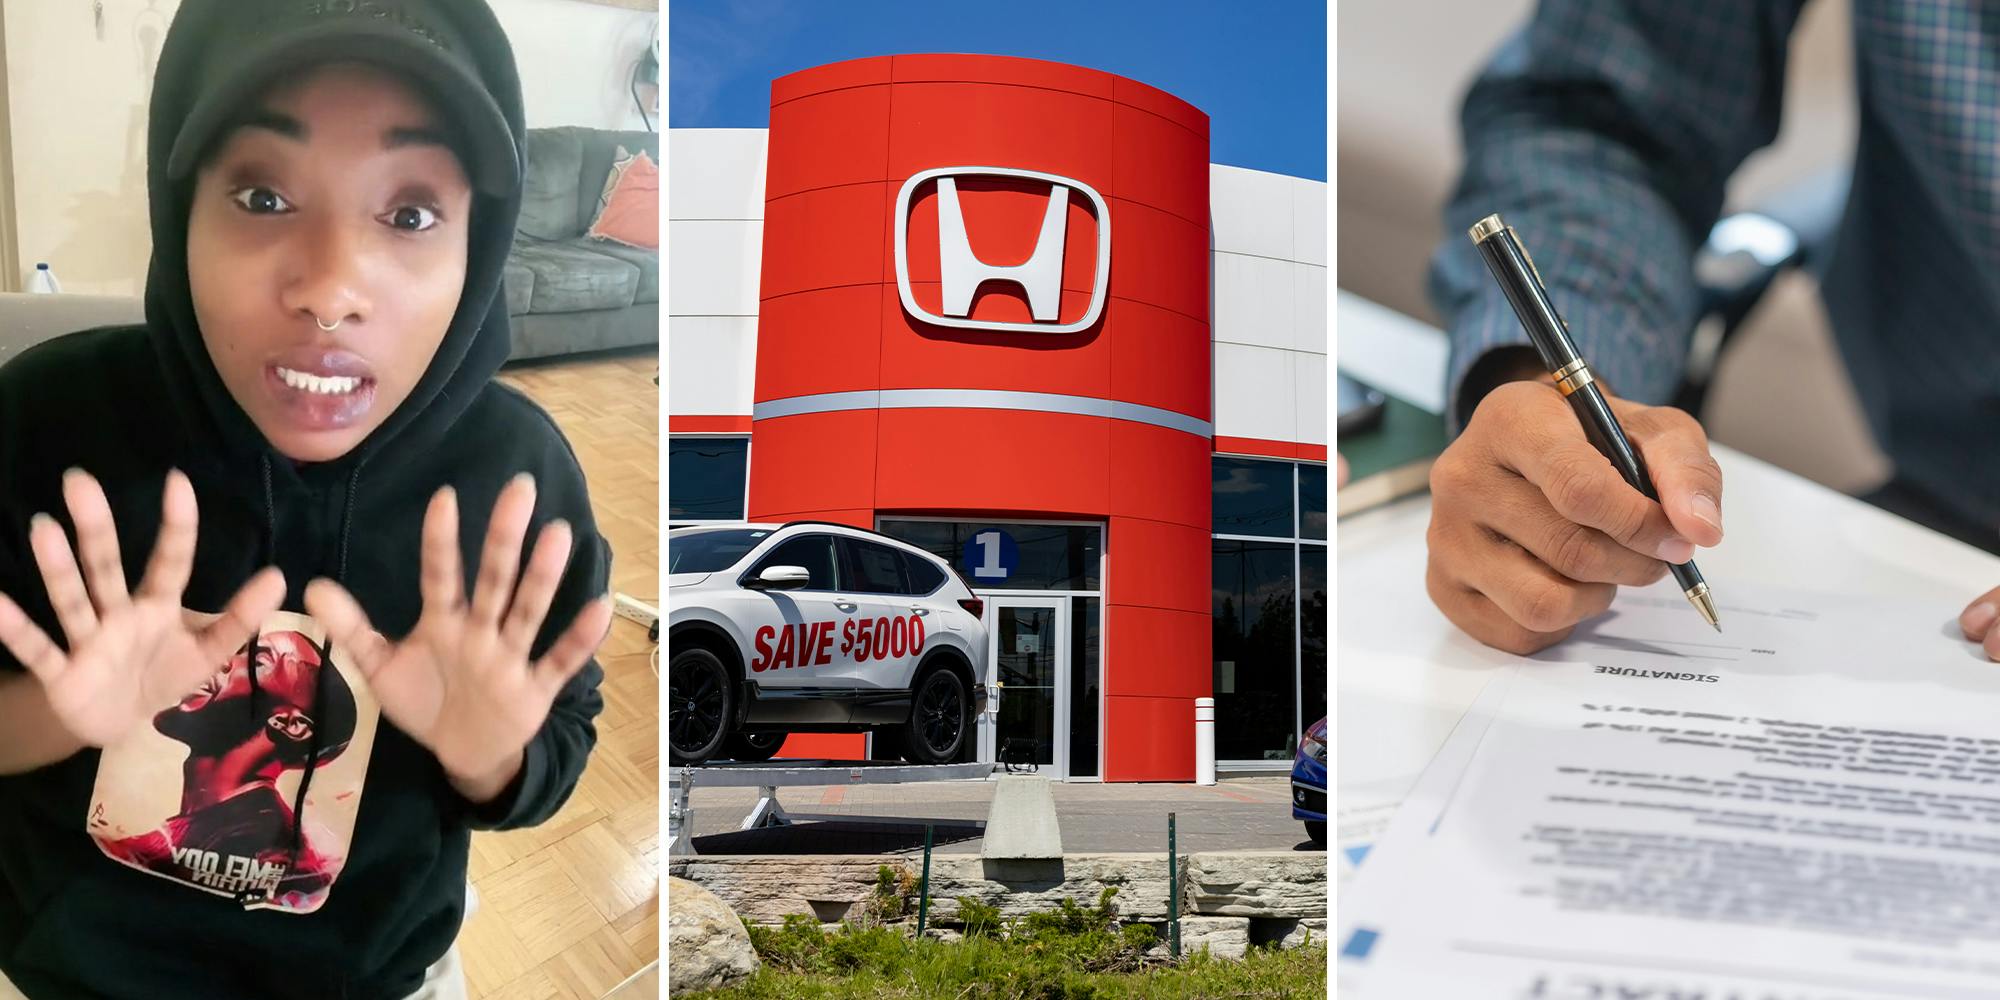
{"x":985,"y":969}
{"x":1070,"y":953}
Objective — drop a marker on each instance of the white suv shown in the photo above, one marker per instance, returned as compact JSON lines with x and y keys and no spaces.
{"x":813,"y":627}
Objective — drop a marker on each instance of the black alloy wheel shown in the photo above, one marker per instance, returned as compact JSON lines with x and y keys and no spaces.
{"x":699,"y":703}
{"x":938,"y":718}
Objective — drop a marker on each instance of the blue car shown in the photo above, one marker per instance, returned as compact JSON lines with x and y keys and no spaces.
{"x":1309,"y":782}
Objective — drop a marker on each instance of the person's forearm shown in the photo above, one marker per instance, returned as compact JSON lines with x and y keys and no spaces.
{"x":1612,"y":251}
{"x":541,"y":778}
{"x":1610,"y":177}
{"x":30,"y":736}
{"x":482,"y":789}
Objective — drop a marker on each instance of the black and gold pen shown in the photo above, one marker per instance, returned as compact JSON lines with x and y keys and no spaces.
{"x":1518,"y":278}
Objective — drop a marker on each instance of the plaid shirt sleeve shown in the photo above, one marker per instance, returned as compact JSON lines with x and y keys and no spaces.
{"x":1605,"y":133}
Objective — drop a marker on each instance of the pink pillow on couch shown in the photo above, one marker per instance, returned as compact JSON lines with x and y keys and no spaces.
{"x":629,"y":212}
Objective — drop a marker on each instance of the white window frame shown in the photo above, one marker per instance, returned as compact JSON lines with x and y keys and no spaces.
{"x":1103,"y":577}
{"x":1296,"y":541}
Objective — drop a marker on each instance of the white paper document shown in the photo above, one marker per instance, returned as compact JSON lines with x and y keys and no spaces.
{"x":1807,"y":806}
{"x":1762,"y":628}
{"x":1390,"y":721}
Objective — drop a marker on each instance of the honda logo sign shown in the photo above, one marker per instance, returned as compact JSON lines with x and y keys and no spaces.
{"x":961,"y":271}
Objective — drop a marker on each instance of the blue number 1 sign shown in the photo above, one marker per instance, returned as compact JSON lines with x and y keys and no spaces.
{"x":991,"y":556}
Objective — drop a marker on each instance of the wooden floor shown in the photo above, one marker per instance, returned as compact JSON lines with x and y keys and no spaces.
{"x":571,"y":909}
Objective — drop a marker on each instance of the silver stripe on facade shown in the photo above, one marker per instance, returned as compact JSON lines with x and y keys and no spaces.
{"x":981,"y":399}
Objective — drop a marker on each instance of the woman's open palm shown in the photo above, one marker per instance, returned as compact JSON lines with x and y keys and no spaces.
{"x":130,"y":653}
{"x":463,"y":683}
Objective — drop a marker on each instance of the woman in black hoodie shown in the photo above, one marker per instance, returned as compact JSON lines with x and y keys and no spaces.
{"x":253,"y":771}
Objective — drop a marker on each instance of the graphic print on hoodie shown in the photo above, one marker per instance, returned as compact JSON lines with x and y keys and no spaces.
{"x":214,"y":794}
{"x":128,"y":403}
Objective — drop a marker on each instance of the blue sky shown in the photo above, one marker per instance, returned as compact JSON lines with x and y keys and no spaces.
{"x":1257,"y":67}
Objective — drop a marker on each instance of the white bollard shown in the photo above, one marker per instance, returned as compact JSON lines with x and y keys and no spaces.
{"x":1204,"y":741}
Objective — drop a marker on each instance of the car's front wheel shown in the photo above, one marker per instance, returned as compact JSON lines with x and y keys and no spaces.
{"x":754,"y":746}
{"x":940,"y":718}
{"x":1316,"y":831}
{"x":700,"y":699}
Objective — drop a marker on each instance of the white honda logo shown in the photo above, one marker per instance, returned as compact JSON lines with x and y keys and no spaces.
{"x":962,"y":272}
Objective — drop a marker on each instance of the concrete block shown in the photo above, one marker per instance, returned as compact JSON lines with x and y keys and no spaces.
{"x":1021,"y":822}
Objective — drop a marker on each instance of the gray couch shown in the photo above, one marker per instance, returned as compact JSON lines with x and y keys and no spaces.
{"x":566,"y":292}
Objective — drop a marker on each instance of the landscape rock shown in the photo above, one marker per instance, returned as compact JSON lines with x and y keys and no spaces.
{"x":1258,"y":883}
{"x":766,"y":889}
{"x":707,"y":947}
{"x":1313,"y":926}
{"x":1224,"y":937}
{"x":1018,"y":888}
{"x":1273,"y":884}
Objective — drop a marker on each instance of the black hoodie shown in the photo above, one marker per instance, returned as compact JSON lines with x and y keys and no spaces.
{"x":110,"y":886}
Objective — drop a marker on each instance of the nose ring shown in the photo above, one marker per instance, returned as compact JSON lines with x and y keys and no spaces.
{"x":329,"y":329}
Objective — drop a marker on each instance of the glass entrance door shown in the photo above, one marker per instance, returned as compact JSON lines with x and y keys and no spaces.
{"x":1028,"y":655}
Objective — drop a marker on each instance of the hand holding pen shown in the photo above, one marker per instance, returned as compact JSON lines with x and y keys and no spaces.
{"x":1533,"y":528}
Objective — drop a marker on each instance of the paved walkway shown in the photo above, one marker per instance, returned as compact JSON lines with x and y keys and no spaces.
{"x":1238,"y":814}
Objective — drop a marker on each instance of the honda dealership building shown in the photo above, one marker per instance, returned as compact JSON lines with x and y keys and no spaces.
{"x":1008,"y":310}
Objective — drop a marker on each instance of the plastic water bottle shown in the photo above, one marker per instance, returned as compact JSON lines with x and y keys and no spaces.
{"x":44,"y":281}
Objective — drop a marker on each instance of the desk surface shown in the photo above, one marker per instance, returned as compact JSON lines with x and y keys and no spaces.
{"x":1406,"y":675}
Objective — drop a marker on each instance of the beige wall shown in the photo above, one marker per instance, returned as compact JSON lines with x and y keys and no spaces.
{"x":76,"y":116}
{"x":576,"y":61}
{"x":1402,"y":70}
{"x":77,"y":124}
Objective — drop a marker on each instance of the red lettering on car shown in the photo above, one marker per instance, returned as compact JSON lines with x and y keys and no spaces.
{"x":764,"y":634}
{"x":783,"y":657}
{"x":808,"y":631}
{"x":823,"y":648}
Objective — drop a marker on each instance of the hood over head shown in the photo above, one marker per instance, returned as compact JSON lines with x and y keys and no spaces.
{"x":219,"y":57}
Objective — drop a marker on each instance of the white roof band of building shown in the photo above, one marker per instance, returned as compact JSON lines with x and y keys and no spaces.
{"x":981,"y":399}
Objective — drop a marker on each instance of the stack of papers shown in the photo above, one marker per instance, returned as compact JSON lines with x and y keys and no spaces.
{"x":1806,"y":807}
